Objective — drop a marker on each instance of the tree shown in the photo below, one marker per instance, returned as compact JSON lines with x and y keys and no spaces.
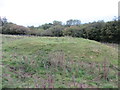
{"x":4,"y":20}
{"x":47,"y":26}
{"x":110,"y":32}
{"x":57,"y":30}
{"x":69,"y":22}
{"x":73,"y":31}
{"x":73,"y":22}
{"x":57,"y":23}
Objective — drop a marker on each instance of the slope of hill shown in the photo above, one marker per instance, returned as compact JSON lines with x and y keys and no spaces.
{"x":58,"y":62}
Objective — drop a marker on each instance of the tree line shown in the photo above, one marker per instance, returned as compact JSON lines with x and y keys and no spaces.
{"x":100,"y":31}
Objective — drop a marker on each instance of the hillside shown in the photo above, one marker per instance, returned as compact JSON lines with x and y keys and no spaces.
{"x":58,"y":62}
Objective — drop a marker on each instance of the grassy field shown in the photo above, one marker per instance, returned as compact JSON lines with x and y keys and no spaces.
{"x":59,"y":62}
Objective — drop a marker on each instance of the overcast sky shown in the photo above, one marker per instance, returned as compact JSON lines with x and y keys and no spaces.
{"x":37,"y":12}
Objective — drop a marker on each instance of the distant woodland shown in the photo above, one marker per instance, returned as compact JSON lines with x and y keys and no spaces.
{"x":99,"y":31}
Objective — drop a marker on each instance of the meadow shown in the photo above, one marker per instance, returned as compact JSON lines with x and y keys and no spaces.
{"x":58,"y":62}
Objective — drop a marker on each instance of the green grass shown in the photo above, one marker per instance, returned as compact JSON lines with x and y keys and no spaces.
{"x":0,"y":61}
{"x":61,"y":62}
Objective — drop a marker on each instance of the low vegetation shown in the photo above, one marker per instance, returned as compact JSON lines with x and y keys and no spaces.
{"x":58,"y":62}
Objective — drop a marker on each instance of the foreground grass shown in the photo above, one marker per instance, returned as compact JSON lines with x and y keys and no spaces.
{"x":62,"y":62}
{"x":0,"y":61}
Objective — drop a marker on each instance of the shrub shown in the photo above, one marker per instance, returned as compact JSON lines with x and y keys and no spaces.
{"x":73,"y":31}
{"x":53,"y":31}
{"x":57,"y":30}
{"x":15,"y":29}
